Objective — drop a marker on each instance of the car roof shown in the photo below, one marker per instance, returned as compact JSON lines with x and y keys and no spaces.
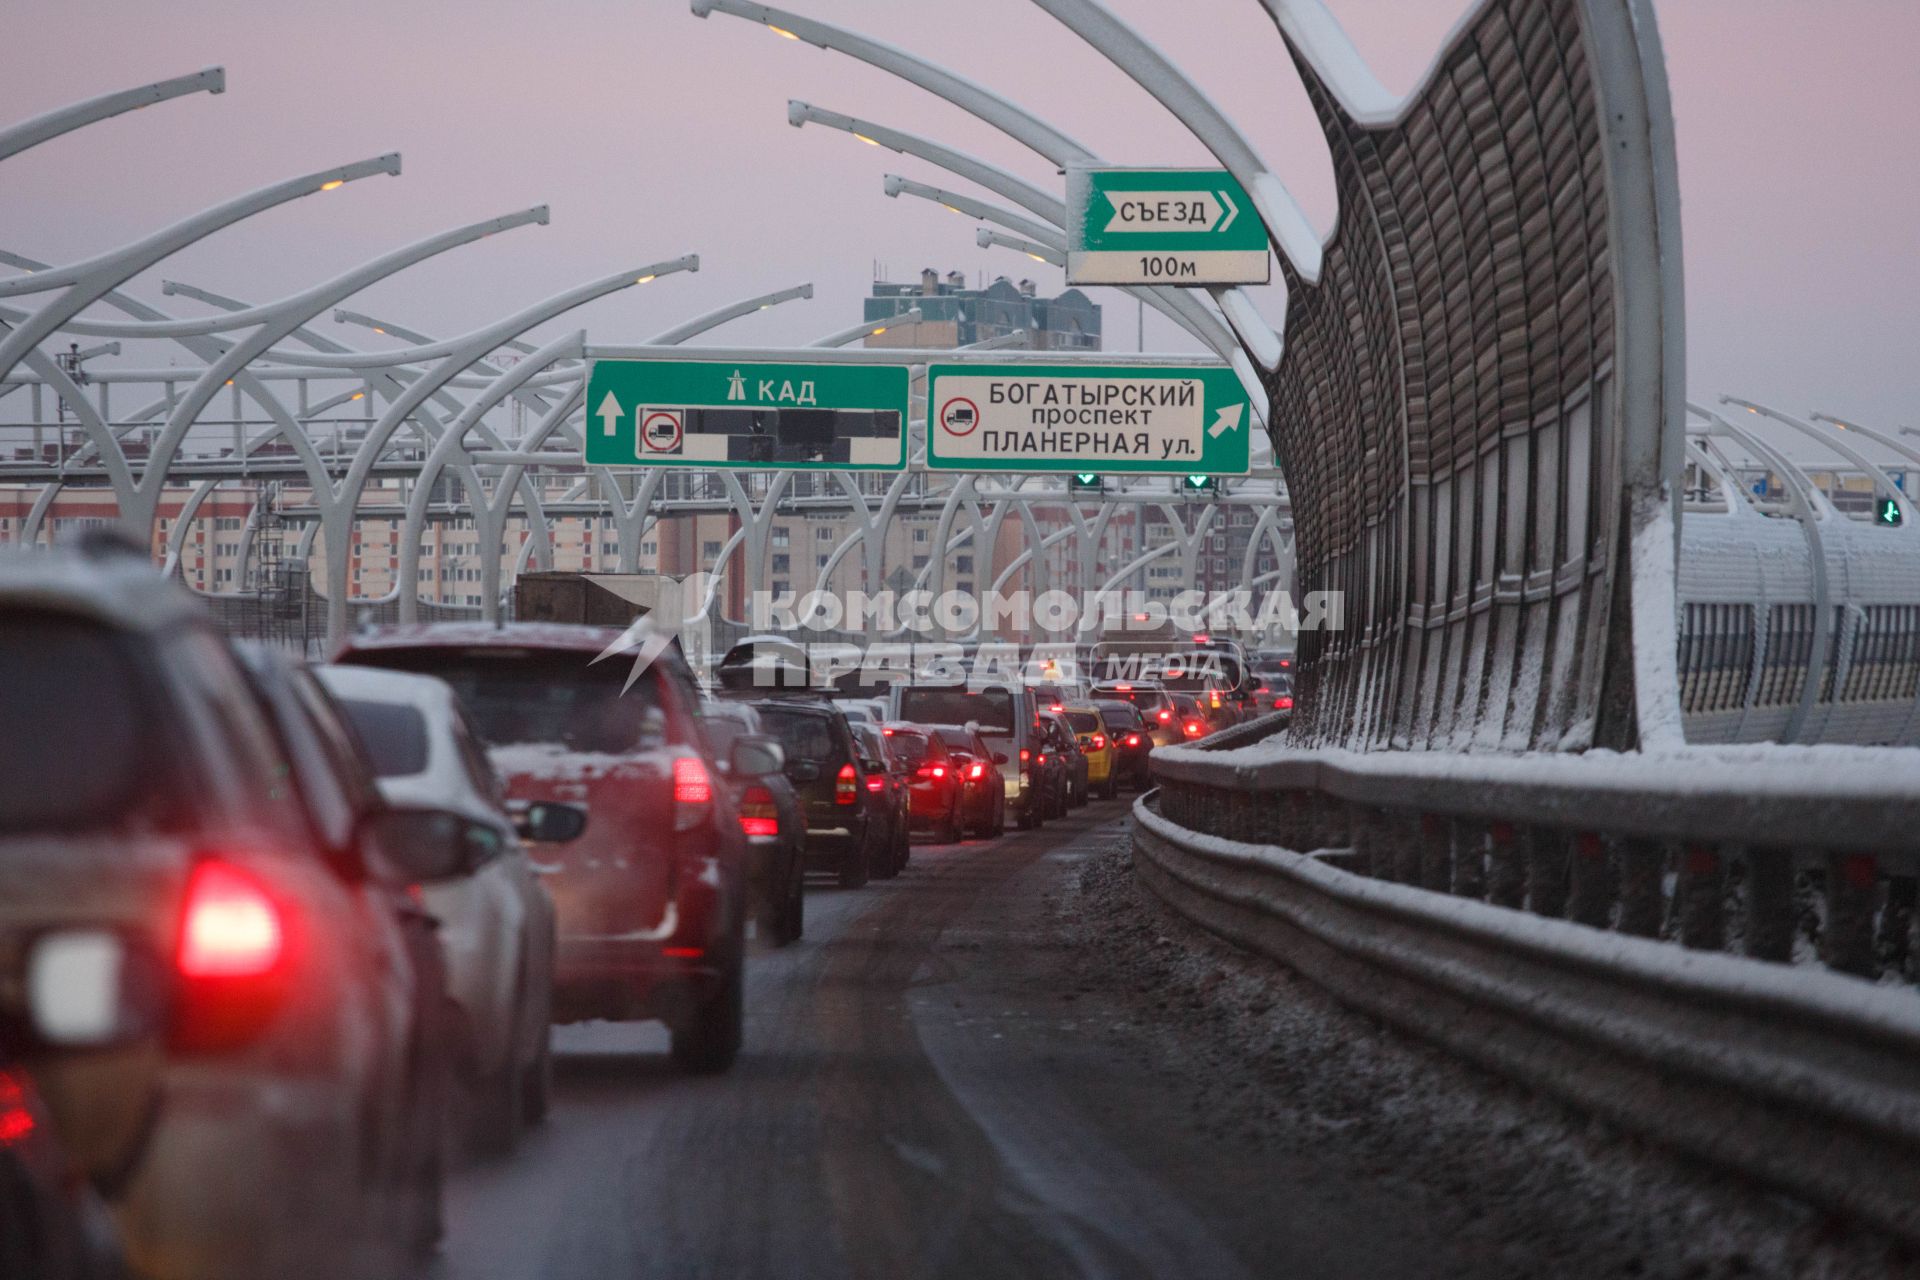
{"x":372,"y":684}
{"x":117,"y":589}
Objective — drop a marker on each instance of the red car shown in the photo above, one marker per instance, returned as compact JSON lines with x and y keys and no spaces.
{"x":934,"y":781}
{"x":651,"y":900}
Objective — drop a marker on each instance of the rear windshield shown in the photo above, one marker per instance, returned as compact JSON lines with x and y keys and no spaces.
{"x":910,"y":747}
{"x":521,"y":695}
{"x":1084,"y":721}
{"x":803,"y":735}
{"x":1120,"y":713}
{"x":395,"y":736}
{"x":992,"y":709}
{"x":72,"y":755}
{"x":1151,"y":698}
{"x":958,"y":739}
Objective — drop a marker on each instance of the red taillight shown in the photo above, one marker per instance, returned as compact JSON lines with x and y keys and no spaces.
{"x":846,"y":785}
{"x":232,"y":958}
{"x":16,"y":1121}
{"x":683,"y":953}
{"x":876,"y":782}
{"x":759,"y":815}
{"x":1099,"y":742}
{"x":1194,"y":728}
{"x":692,"y":792}
{"x":1133,"y":739}
{"x":1058,"y":706}
{"x":1123,"y":688}
{"x":691,"y":785}
{"x":1283,"y":703}
{"x":887,"y":732}
{"x":976,"y":770}
{"x":1166,"y":717}
{"x":231,"y":928}
{"x":1025,"y":755}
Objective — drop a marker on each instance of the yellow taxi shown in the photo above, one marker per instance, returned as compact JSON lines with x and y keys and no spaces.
{"x":1103,"y":777}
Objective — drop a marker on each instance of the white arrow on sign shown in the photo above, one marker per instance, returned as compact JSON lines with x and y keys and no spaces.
{"x":1233,"y":210}
{"x":1227,"y":420}
{"x":609,"y":414}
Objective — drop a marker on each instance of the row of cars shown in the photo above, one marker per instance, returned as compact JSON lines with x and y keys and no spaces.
{"x":275,"y":938}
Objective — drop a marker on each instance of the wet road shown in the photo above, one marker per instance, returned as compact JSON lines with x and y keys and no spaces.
{"x":916,"y":1098}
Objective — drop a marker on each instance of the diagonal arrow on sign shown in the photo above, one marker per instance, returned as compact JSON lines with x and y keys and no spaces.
{"x":1227,"y":420}
{"x":609,"y":414}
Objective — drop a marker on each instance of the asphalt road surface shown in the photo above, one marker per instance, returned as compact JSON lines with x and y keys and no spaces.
{"x":952,"y":1075}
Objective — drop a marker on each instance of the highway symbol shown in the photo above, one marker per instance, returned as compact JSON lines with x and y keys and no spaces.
{"x":737,"y":386}
{"x":609,"y":414}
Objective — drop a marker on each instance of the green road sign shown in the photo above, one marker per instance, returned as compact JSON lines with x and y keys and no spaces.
{"x":1084,"y":419}
{"x":719,"y":414}
{"x":1163,"y":226}
{"x":1887,"y":512}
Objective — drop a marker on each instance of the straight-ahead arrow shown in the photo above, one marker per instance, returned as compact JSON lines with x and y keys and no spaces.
{"x":1227,"y":420}
{"x":609,"y":414}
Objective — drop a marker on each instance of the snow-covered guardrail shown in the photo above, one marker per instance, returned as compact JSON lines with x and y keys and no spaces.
{"x":1565,"y":921}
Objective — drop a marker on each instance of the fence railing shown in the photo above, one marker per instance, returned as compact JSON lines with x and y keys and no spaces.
{"x":1781,"y":853}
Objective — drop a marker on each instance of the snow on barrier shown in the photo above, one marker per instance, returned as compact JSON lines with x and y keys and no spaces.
{"x":1410,"y":907}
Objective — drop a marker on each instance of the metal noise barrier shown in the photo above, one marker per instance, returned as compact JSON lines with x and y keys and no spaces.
{"x":1803,"y":1078}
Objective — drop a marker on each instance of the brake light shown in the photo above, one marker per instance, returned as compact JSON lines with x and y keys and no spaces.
{"x":1133,"y":739}
{"x":1283,"y":703}
{"x":759,"y":815}
{"x":231,"y":957}
{"x":1025,"y":755}
{"x":692,"y":792}
{"x":16,"y":1121}
{"x":1194,"y":728}
{"x":1123,"y":688}
{"x":1214,"y":696}
{"x":876,"y":781}
{"x":976,"y":770}
{"x":1166,"y":717}
{"x":1099,"y":742}
{"x":846,"y":785}
{"x":231,"y":929}
{"x":1285,"y":663}
{"x":887,"y":732}
{"x":1058,"y":706}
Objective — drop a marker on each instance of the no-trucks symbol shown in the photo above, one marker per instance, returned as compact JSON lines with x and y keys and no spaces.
{"x":660,"y":432}
{"x":959,"y":416}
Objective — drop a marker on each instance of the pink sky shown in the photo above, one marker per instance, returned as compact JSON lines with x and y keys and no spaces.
{"x":653,"y":133}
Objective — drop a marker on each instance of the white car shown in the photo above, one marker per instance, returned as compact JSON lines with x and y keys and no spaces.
{"x":497,"y":922}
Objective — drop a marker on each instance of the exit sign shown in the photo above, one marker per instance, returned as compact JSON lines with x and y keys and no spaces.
{"x":1163,"y":226}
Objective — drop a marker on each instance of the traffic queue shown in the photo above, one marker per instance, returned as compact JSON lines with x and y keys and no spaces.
{"x":278,"y":941}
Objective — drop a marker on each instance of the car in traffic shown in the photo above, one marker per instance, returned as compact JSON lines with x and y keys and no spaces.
{"x":771,"y":818}
{"x":888,"y":793}
{"x":52,"y":1223}
{"x":1097,"y":744}
{"x":934,"y":783}
{"x":650,"y":900}
{"x":1154,"y":704}
{"x":846,"y":828}
{"x":1066,"y":744}
{"x":983,"y":801}
{"x":496,"y":920}
{"x":1004,"y":715}
{"x":244,"y":1097}
{"x":1187,"y":714}
{"x":1132,"y":742}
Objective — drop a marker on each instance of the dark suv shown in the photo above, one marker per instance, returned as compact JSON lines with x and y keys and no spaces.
{"x":651,"y":900}
{"x":826,"y":767}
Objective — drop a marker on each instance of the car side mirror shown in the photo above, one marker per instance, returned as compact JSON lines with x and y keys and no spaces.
{"x":87,"y":989}
{"x":999,"y":757}
{"x":872,"y":766}
{"x":422,"y":845}
{"x":550,"y":822}
{"x":756,"y":756}
{"x":803,"y":771}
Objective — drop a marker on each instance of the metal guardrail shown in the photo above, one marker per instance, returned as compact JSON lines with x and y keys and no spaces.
{"x":1805,"y":1080}
{"x":1751,"y":847}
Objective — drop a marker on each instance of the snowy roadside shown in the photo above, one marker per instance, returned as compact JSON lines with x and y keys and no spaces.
{"x":1265,"y":1058}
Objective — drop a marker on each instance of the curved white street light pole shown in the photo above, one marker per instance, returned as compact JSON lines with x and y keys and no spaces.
{"x":42,"y":128}
{"x":967,"y":207}
{"x":988,"y":238}
{"x":1906,"y":451}
{"x":1028,"y":129}
{"x":870,"y":329}
{"x":732,"y":311}
{"x":87,"y":282}
{"x":1121,"y":45}
{"x":1883,"y":483}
